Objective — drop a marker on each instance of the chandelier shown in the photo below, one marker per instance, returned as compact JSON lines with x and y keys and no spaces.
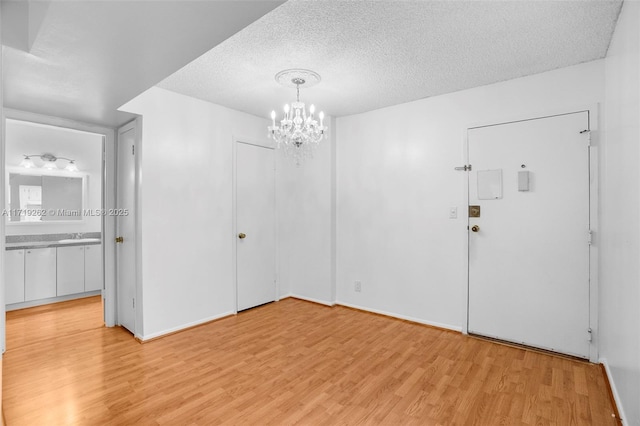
{"x":298,"y":133}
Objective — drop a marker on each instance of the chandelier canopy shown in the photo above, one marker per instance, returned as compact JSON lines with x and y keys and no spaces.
{"x":298,"y":133}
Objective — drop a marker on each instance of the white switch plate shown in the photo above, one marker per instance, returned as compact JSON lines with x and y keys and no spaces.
{"x":453,"y":212}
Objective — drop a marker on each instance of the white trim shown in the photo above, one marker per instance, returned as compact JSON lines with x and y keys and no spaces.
{"x":14,"y":114}
{"x":403,"y":317}
{"x":138,"y":166}
{"x":538,"y":114}
{"x":614,"y":390}
{"x":3,"y":232}
{"x":593,"y":113}
{"x":234,"y":221}
{"x":109,"y":229}
{"x":310,"y":299}
{"x":465,"y":223}
{"x":334,"y":207}
{"x":184,"y":326}
{"x":108,"y":189}
{"x":594,"y":224}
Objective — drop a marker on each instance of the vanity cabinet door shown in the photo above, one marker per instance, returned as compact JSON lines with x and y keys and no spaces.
{"x":40,"y":273}
{"x":70,"y":271}
{"x":14,"y":276}
{"x":93,"y":267}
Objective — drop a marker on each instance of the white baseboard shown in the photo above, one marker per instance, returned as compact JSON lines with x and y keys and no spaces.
{"x":184,"y":326}
{"x":50,"y":300}
{"x":399,"y":316}
{"x":311,"y":299}
{"x":614,"y":390}
{"x":283,"y":296}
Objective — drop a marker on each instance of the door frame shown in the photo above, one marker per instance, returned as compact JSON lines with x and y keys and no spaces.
{"x":108,"y":196}
{"x":136,"y":124}
{"x":594,"y":113}
{"x":269,"y":144}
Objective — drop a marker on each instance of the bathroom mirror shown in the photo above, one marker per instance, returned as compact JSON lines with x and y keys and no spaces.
{"x":39,"y":197}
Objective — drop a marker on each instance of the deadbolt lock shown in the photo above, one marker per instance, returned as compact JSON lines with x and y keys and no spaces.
{"x":475,"y":228}
{"x":119,"y":240}
{"x":474,"y":211}
{"x":242,"y":235}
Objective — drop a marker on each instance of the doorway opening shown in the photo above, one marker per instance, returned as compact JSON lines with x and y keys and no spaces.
{"x":55,"y":225}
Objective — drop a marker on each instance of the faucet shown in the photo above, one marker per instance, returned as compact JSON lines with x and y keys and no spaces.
{"x":77,"y":236}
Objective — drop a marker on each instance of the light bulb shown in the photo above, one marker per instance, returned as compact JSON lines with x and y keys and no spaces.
{"x":71,"y":167}
{"x":27,"y":162}
{"x":312,"y":109}
{"x":273,"y":118}
{"x":49,"y":165}
{"x":321,"y":115}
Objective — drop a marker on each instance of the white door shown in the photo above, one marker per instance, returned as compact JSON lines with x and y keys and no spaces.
{"x":529,"y":249}
{"x":255,"y":225}
{"x":125,"y":226}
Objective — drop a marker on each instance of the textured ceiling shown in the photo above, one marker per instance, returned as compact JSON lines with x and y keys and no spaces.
{"x":372,"y":54}
{"x":83,"y":59}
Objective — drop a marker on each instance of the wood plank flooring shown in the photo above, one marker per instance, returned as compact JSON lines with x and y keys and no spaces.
{"x":289,"y":362}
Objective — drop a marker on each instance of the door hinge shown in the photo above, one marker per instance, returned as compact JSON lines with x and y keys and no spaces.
{"x":465,"y":168}
{"x":588,"y":132}
{"x":134,"y":303}
{"x":133,"y":150}
{"x":590,"y":334}
{"x":589,"y":236}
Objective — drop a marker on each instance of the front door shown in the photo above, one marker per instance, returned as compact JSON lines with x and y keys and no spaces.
{"x":255,"y":225}
{"x":529,"y":244}
{"x":125,"y":226}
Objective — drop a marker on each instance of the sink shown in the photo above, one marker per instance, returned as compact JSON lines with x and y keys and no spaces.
{"x":79,"y":240}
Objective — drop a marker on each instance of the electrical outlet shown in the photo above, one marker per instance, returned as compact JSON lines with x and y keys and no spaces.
{"x":453,"y":212}
{"x":357,"y":286}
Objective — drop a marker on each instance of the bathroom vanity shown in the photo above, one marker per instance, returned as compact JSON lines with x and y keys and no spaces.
{"x":40,"y":272}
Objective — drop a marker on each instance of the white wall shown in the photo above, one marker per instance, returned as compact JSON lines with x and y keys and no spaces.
{"x":86,"y":148}
{"x":2,"y":226}
{"x":395,"y":184}
{"x":305,"y":223}
{"x":186,"y":207}
{"x":620,"y":215}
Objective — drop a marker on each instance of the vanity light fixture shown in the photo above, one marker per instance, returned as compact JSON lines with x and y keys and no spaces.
{"x":298,"y":133}
{"x":49,"y":162}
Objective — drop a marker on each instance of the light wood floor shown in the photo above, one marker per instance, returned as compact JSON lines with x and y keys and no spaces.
{"x":284,"y":363}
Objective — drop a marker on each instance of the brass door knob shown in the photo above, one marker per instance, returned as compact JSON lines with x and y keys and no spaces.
{"x":242,"y":235}
{"x":475,"y":228}
{"x":119,"y":240}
